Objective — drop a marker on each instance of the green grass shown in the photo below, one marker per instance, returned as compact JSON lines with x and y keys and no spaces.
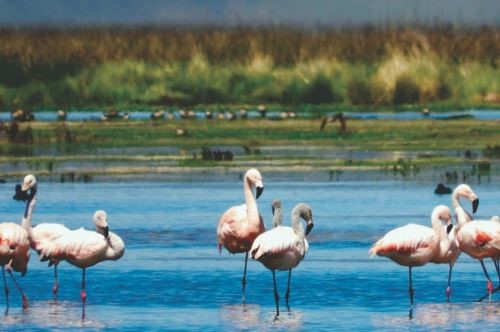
{"x":376,"y":67}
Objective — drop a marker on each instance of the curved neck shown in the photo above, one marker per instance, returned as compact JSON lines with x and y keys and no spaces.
{"x":28,"y":211}
{"x":462,"y":216}
{"x":440,"y":229}
{"x":296,"y":225}
{"x":455,"y":201}
{"x":278,"y":217}
{"x":250,"y":201}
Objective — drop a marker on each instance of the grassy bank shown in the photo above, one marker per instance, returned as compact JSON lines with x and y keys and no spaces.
{"x":162,"y":66}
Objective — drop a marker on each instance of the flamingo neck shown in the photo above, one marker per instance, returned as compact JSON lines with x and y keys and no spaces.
{"x":116,"y":247}
{"x":455,"y":201}
{"x":444,"y":242}
{"x":278,"y":217}
{"x":250,"y":201}
{"x":296,"y":225}
{"x":462,"y":216}
{"x":28,"y":211}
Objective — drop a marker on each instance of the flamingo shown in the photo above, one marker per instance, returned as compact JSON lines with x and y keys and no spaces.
{"x":277,"y":213}
{"x":14,"y":238}
{"x":480,"y":239}
{"x":416,"y":245}
{"x":454,"y":251}
{"x":240,"y":225}
{"x":43,"y":234}
{"x":282,"y":248}
{"x":83,"y":248}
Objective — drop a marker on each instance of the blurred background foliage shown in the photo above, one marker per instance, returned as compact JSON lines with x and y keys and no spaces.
{"x":369,"y":65}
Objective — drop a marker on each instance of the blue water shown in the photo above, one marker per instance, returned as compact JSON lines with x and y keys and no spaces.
{"x":173,"y":278}
{"x":50,"y":116}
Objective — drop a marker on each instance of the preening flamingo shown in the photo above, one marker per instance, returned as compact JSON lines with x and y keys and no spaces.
{"x":416,"y":245}
{"x":42,"y":235}
{"x":240,"y":225}
{"x":282,"y":248}
{"x":14,"y":238}
{"x":84,"y":248}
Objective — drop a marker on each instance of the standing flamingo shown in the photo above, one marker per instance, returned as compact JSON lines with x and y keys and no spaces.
{"x":14,"y":238}
{"x":240,"y":225}
{"x":479,"y":239}
{"x":83,"y":248}
{"x":416,"y":245}
{"x":43,"y":234}
{"x":282,"y":248}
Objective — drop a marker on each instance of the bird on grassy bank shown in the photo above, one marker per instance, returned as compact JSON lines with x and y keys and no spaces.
{"x":240,"y":225}
{"x":283,"y":248}
{"x":83,"y":248}
{"x":416,"y":245}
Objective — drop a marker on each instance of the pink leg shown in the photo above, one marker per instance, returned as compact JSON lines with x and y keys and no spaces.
{"x":83,"y":294}
{"x":25,"y":299}
{"x":55,"y":288}
{"x":5,"y":287}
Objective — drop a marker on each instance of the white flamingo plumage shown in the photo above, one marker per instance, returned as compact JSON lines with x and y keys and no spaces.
{"x":283,"y":248}
{"x":240,"y":225}
{"x":84,"y":248}
{"x":416,"y":245}
{"x":42,"y":235}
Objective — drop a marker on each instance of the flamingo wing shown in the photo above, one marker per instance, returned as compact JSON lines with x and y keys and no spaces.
{"x":404,"y":240}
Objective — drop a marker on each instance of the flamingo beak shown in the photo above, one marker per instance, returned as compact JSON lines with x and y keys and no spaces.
{"x":309,"y":226}
{"x":259,"y":191}
{"x":106,"y":232}
{"x":449,"y":228}
{"x":475,"y":205}
{"x":273,"y":209}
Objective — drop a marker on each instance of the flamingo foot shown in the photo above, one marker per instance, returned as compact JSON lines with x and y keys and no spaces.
{"x":83,"y":295}
{"x":25,"y":302}
{"x":448,"y":293}
{"x":55,"y":288}
{"x":490,"y":287}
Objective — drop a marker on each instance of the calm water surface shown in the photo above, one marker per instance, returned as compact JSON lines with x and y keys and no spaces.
{"x":173,"y":278}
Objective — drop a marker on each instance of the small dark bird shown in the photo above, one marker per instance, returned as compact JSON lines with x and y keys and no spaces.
{"x":441,"y":189}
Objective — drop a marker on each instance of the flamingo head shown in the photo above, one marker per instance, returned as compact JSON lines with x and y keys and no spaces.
{"x":276,"y":205}
{"x":29,"y":182}
{"x":443,"y":214}
{"x":306,"y":214}
{"x":466,"y":191}
{"x":255,"y":178}
{"x":101,"y":223}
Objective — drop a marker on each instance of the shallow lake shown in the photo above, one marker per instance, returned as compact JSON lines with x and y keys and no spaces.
{"x":173,"y":278}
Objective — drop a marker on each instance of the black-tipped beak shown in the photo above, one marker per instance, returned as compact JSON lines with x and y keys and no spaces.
{"x":475,"y":205}
{"x":20,"y":195}
{"x":272,"y":209}
{"x":309,"y":226}
{"x":259,"y":192}
{"x":449,"y":228}
{"x":106,"y":232}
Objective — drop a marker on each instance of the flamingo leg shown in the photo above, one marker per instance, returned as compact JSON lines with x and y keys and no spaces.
{"x":25,"y":299}
{"x":496,"y":262}
{"x":489,"y":285}
{"x":448,"y":289}
{"x":287,"y":295}
{"x":83,"y":293}
{"x":55,"y":288}
{"x":5,"y":287}
{"x":276,"y":296}
{"x":410,"y":288}
{"x":244,"y":279}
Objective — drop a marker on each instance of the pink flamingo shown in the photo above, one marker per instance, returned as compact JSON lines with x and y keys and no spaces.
{"x":43,"y":234}
{"x":14,"y":238}
{"x":479,"y":239}
{"x":282,"y":248}
{"x":416,"y":245}
{"x":240,"y":225}
{"x":83,"y":248}
{"x":453,"y":253}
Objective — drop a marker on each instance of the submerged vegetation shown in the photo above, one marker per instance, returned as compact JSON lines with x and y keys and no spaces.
{"x":167,"y":66}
